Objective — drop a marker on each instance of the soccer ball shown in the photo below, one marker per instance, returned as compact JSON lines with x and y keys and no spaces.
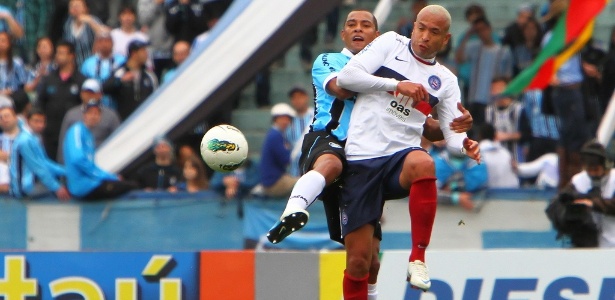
{"x":224,"y":148}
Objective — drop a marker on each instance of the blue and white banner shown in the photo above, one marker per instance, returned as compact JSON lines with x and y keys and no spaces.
{"x":99,"y":276}
{"x":504,"y":274}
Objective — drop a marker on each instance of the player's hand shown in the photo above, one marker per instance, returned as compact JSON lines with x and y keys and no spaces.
{"x":472,"y":150}
{"x":415,"y":91}
{"x":63,"y":194}
{"x":462,"y":123}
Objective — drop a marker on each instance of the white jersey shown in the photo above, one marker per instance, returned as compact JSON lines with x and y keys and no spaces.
{"x":606,"y":223}
{"x":380,"y":124}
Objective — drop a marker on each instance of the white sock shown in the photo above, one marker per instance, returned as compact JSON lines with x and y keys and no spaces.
{"x":305,"y":191}
{"x":372,"y":291}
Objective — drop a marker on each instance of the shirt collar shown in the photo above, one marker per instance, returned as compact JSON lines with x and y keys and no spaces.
{"x":430,"y":61}
{"x":347,"y":52}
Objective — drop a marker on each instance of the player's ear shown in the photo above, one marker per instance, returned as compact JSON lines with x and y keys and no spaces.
{"x":446,"y":39}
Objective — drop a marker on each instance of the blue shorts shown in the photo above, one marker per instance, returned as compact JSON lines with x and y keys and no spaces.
{"x":366,"y":185}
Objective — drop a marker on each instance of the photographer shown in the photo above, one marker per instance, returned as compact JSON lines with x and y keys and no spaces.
{"x":585,"y":209}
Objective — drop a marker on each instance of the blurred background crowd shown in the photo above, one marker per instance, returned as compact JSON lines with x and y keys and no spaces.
{"x":63,"y":61}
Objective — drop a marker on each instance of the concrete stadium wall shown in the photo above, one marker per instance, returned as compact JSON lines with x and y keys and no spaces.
{"x":193,"y":222}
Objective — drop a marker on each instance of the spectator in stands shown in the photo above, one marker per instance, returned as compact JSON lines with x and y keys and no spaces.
{"x":472,"y":12}
{"x":81,"y":28}
{"x":505,"y":114}
{"x":300,"y":101}
{"x":275,"y":154}
{"x":32,"y":173}
{"x":152,"y":17}
{"x":404,"y":25}
{"x":543,"y":127}
{"x":543,"y":168}
{"x":13,"y":74}
{"x":592,"y":63}
{"x":100,"y":65}
{"x":584,"y":210}
{"x":488,"y":60}
{"x":513,"y":33}
{"x":195,"y":178}
{"x":162,"y":174}
{"x":497,"y":158}
{"x":608,"y":86}
{"x":238,"y":183}
{"x":131,"y":83}
{"x":43,"y":63}
{"x":84,"y":178}
{"x":57,"y":92}
{"x":184,"y":152}
{"x":460,"y":180}
{"x":109,"y":120}
{"x":22,"y":106}
{"x":594,"y":188}
{"x":181,"y":51}
{"x":33,"y":16}
{"x":37,"y":121}
{"x":566,"y":97}
{"x":444,"y":58}
{"x":185,"y":20}
{"x":127,"y":31}
{"x":525,"y":52}
{"x":10,"y":129}
{"x":9,"y":24}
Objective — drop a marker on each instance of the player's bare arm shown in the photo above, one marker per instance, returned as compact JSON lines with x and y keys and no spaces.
{"x":338,"y":92}
{"x":463,"y":123}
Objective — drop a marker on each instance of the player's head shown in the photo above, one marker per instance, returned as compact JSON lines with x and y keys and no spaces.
{"x":360,"y":29}
{"x":430,"y":33}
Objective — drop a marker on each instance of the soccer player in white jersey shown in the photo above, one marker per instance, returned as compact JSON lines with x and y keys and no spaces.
{"x":398,"y":81}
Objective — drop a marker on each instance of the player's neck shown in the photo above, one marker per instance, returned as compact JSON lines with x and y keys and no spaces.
{"x":423,"y":59}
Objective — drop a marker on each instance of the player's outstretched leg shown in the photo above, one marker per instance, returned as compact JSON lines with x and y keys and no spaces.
{"x":295,"y":216}
{"x":423,"y":201}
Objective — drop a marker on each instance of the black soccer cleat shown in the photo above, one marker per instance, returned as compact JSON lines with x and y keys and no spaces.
{"x":287,"y":225}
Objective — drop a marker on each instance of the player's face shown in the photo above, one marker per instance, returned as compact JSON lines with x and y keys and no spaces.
{"x":430,"y":34}
{"x":359,"y":30}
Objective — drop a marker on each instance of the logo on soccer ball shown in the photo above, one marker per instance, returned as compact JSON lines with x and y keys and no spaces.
{"x":434,"y":82}
{"x":216,"y":145}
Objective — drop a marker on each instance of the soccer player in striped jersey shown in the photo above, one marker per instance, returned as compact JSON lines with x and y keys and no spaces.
{"x":398,"y":82}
